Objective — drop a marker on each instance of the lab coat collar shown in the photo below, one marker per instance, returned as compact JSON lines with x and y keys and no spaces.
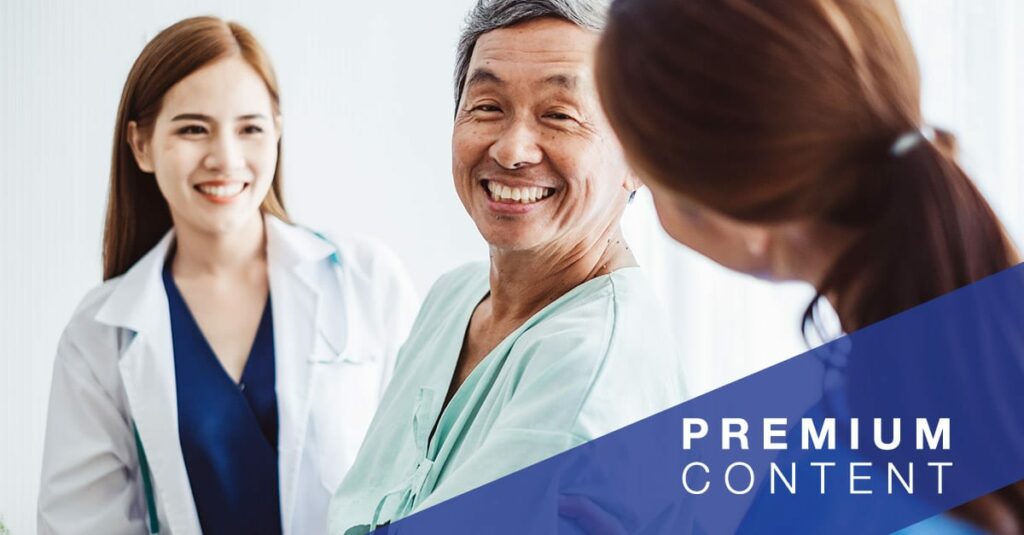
{"x":133,"y":302}
{"x":297,"y":252}
{"x":290,"y":245}
{"x":131,"y":305}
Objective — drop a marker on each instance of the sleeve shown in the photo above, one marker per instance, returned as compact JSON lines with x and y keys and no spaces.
{"x":89,"y":461}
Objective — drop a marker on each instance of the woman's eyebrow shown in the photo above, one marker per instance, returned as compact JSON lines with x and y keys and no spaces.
{"x":192,"y":117}
{"x":208,"y":119}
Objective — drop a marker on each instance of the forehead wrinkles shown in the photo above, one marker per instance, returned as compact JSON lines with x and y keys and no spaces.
{"x":540,"y":72}
{"x":511,"y":51}
{"x":561,"y":44}
{"x":541,"y":41}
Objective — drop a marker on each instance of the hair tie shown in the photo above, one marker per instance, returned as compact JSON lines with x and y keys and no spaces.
{"x":911,"y":139}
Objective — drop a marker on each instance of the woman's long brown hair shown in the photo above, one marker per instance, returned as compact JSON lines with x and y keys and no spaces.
{"x":780,"y":110}
{"x":137,"y":214}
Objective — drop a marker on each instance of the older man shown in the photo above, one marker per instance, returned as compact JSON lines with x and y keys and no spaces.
{"x":557,"y":340}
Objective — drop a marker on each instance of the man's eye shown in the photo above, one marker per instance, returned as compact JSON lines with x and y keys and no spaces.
{"x":487,"y":108}
{"x":192,"y":130}
{"x":558,"y":116}
{"x":252,"y":129}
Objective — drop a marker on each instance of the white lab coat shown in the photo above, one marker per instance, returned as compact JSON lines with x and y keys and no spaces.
{"x":341,"y":309}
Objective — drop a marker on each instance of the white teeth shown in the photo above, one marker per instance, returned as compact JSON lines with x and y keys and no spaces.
{"x":529,"y":195}
{"x":227,"y":190}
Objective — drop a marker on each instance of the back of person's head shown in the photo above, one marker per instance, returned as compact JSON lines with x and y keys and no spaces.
{"x":137,"y":214}
{"x":772,"y":111}
{"x":778,"y":110}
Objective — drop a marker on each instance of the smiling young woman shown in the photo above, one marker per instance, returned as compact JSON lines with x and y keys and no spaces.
{"x":134,"y":197}
{"x":222,"y":377}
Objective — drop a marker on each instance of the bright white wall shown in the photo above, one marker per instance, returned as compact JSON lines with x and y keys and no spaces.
{"x":367,"y":104}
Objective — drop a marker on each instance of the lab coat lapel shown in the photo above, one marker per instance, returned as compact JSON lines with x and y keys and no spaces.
{"x":295,"y":272}
{"x":139,"y":307}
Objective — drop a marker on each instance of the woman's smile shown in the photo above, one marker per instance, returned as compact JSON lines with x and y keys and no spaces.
{"x":221,"y":191}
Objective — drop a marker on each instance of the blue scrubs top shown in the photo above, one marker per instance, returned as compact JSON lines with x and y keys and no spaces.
{"x":228,"y":431}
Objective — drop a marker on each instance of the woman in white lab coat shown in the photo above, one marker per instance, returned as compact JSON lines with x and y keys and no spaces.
{"x":222,"y":377}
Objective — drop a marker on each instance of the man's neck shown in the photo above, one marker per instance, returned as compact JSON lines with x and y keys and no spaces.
{"x":524,"y":282}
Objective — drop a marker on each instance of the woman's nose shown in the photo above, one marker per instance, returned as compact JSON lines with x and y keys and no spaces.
{"x":225,"y":154}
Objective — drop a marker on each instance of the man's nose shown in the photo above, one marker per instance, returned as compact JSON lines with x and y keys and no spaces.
{"x":517,"y":147}
{"x":225,"y":154}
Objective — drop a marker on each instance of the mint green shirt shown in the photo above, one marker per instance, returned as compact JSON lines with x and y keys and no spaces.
{"x":596,"y":359}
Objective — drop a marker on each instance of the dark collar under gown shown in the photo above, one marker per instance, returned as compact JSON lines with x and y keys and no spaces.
{"x":228,"y":431}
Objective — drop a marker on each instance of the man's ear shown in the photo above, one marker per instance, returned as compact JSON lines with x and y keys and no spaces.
{"x":140,"y":147}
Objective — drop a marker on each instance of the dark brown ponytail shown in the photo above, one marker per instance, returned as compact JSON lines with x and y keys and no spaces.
{"x":926,"y":231}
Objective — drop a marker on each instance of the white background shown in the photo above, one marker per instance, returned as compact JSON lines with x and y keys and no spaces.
{"x":367,"y":99}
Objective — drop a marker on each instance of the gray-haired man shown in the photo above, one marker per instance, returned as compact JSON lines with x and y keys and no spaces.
{"x":558,"y":339}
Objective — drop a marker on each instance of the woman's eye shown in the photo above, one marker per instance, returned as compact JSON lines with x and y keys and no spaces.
{"x":486,"y":108}
{"x":252,"y":129}
{"x":192,"y":130}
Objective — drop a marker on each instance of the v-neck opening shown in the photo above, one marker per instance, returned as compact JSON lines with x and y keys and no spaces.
{"x":246,"y":369}
{"x":433,"y":447}
{"x":445,"y":403}
{"x":228,"y":434}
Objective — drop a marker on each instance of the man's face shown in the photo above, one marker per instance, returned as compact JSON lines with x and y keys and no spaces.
{"x":534,"y":160}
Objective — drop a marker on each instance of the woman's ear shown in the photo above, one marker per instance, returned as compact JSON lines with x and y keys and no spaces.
{"x":757,"y":240}
{"x":632,"y":182}
{"x":278,"y":123}
{"x":140,"y":147}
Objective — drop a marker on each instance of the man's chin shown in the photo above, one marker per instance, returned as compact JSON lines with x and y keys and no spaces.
{"x":511,"y":243}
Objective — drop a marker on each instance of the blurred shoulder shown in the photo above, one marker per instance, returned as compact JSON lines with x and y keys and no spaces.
{"x":87,"y":342}
{"x":362,"y":255}
{"x":84,"y":316}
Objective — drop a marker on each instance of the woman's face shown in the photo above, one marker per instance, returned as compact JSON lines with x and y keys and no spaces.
{"x":213,"y":147}
{"x":738,"y":246}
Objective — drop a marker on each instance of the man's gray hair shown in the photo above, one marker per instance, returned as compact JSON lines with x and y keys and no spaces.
{"x":490,"y":15}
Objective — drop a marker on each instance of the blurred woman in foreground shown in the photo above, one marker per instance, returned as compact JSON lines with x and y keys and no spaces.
{"x":785,"y":140}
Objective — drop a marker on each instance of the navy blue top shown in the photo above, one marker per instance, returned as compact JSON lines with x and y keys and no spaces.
{"x":228,"y":431}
